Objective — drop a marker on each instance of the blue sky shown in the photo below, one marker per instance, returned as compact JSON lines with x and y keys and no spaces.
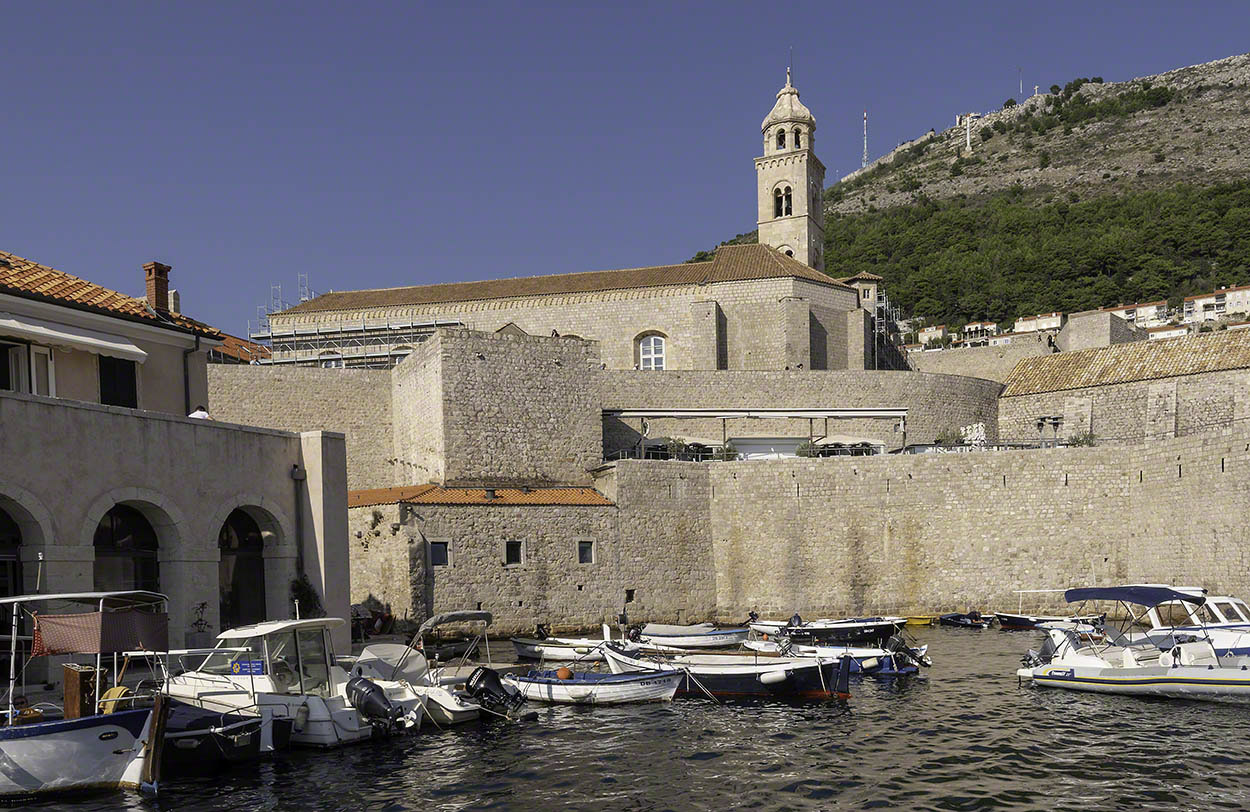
{"x":382,"y":144}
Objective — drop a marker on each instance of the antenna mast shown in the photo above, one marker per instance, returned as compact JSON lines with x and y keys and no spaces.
{"x":864,"y":162}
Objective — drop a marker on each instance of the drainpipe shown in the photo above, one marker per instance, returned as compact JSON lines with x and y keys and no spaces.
{"x":297,"y":478}
{"x":186,"y":377}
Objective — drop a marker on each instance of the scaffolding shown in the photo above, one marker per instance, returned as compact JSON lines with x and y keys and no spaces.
{"x":366,"y":344}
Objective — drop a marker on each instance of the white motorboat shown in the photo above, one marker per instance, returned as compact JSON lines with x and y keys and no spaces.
{"x":408,"y":664}
{"x":543,"y":646}
{"x":591,"y":688}
{"x":285,"y":672}
{"x":1225,"y":620}
{"x":42,"y":751}
{"x":699,"y":635}
{"x":1121,"y":664}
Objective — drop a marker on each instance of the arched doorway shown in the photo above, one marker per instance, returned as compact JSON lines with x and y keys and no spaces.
{"x":10,"y":556}
{"x":126,"y":551}
{"x":242,"y":570}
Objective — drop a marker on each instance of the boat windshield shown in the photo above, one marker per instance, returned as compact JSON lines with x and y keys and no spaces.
{"x":1229,"y":611}
{"x":231,"y":662}
{"x":299,"y":662}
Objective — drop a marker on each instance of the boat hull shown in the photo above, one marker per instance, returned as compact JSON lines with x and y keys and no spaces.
{"x":1194,"y":682}
{"x":208,"y":750}
{"x":1010,"y":622}
{"x":603,"y":689}
{"x":559,"y":648}
{"x":772,"y":678}
{"x":962,"y":621}
{"x":95,"y":752}
{"x":868,"y":631}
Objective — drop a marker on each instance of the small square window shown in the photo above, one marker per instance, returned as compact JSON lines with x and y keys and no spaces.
{"x":511,"y":553}
{"x":440,"y":553}
{"x":585,"y":552}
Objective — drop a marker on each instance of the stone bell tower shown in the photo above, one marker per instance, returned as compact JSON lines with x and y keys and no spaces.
{"x":791,"y":181}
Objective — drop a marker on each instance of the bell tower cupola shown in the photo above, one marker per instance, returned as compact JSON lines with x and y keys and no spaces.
{"x":790,"y":180}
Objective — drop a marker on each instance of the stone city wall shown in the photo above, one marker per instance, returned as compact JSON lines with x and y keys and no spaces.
{"x":945,"y":532}
{"x":1135,"y":411}
{"x":993,"y":363}
{"x":419,"y":439}
{"x":937,"y":403}
{"x":355,"y":402}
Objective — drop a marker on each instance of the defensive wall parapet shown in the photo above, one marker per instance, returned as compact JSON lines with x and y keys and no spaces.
{"x":994,"y":363}
{"x":936,"y":403}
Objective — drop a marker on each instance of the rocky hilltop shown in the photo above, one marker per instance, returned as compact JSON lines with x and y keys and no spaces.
{"x":1090,"y":137}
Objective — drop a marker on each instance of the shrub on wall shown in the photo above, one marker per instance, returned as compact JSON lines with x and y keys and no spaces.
{"x":1083,"y":438}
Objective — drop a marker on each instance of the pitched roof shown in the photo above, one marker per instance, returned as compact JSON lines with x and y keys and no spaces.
{"x":438,"y":495}
{"x":866,"y":275}
{"x":730,"y":263}
{"x":1124,"y":363}
{"x":22,"y":277}
{"x":242,"y":349}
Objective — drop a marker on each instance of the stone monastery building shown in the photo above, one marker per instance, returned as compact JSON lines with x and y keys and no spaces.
{"x":508,"y":442}
{"x":765,"y":306}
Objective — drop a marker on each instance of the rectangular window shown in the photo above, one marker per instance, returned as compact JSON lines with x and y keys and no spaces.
{"x":512,"y":553}
{"x":440,"y":553}
{"x":43,"y":372}
{"x":118,"y":382}
{"x":585,"y":552}
{"x":13,"y":367}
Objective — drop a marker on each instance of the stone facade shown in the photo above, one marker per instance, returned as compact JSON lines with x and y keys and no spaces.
{"x":1136,"y":411}
{"x":354,"y":402}
{"x":992,"y":362}
{"x":1096,"y":328}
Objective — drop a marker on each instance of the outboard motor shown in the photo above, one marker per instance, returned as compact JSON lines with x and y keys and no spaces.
{"x":1033,"y":659}
{"x":634,"y":633}
{"x":796,"y":621}
{"x":368,"y":697}
{"x":901,"y":651}
{"x":542,"y":631}
{"x":784,"y":646}
{"x":489,"y":691}
{"x":752,"y":616}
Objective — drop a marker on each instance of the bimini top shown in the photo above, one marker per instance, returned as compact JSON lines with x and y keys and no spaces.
{"x":1139,"y":594}
{"x":110,"y":600}
{"x":464,"y":616}
{"x":271,"y":626}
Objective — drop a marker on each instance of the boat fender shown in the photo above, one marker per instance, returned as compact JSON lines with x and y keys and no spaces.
{"x":564,"y":673}
{"x":301,"y":718}
{"x":869,"y":663}
{"x":774,"y":677}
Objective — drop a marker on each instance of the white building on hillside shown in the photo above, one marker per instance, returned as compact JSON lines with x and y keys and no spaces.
{"x":1214,"y":306}
{"x":1039,"y":323}
{"x":1150,"y":314}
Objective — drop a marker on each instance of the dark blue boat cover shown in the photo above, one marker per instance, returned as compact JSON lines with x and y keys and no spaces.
{"x":1139,"y":594}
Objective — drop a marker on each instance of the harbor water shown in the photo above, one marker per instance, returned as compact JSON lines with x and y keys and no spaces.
{"x":963,"y":736}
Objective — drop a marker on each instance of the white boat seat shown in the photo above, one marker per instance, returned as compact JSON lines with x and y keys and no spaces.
{"x":1197,"y":653}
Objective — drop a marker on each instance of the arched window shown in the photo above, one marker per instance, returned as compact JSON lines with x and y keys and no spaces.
{"x":781,"y":139}
{"x":242,"y":571}
{"x":779,"y":203}
{"x":798,"y":138}
{"x":789,"y":202}
{"x":125,"y":551}
{"x":651,"y":352}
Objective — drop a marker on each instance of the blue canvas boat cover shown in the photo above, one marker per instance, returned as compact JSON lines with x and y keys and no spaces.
{"x":1139,"y":594}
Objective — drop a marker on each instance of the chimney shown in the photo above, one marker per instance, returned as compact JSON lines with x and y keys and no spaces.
{"x":156,"y":275}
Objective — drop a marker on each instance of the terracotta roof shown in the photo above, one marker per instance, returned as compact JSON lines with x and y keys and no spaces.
{"x":866,"y":275}
{"x":242,"y":349}
{"x":730,"y":263}
{"x":438,"y":495}
{"x":1136,"y":361}
{"x":22,"y":277}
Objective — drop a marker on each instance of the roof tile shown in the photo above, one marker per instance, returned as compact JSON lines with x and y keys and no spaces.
{"x":1124,"y":363}
{"x":21,"y":276}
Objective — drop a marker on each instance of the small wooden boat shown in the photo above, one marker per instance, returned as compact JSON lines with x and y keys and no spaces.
{"x":200,"y":741}
{"x":1015,"y":622}
{"x":966,"y":620}
{"x":565,"y":649}
{"x":895,"y":659}
{"x":864,"y":631}
{"x":743,"y":676}
{"x":922,"y":620}
{"x":700,"y":635}
{"x":590,"y":688}
{"x":88,"y":747}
